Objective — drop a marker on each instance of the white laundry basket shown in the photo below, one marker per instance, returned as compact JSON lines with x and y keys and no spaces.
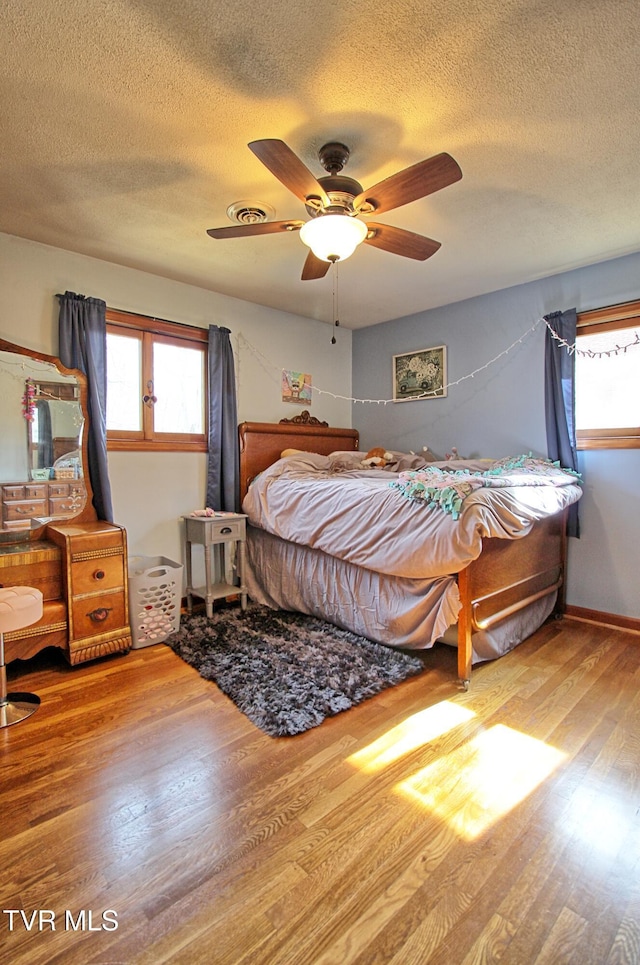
{"x":155,"y":591}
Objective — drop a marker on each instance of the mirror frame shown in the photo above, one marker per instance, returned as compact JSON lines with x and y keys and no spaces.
{"x":87,"y":513}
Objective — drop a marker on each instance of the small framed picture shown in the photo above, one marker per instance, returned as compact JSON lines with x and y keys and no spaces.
{"x":421,"y":374}
{"x":296,"y":387}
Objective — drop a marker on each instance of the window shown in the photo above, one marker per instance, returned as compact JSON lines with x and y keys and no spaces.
{"x":156,"y":384}
{"x":607,"y":379}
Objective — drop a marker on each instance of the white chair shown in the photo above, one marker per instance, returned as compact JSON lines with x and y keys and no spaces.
{"x":20,"y":606}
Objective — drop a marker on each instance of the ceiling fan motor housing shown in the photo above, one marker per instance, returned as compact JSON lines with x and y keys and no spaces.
{"x":341,"y":191}
{"x":333,"y":157}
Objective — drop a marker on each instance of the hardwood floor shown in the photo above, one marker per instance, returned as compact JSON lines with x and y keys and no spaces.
{"x":427,"y":825}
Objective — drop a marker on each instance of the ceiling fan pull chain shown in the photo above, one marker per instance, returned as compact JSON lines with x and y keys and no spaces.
{"x":150,"y":398}
{"x":336,"y":321}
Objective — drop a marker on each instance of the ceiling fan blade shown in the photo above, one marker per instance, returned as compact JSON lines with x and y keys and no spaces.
{"x":289,"y":169}
{"x":412,"y":183}
{"x":260,"y":228}
{"x":314,"y":267}
{"x":401,"y":242}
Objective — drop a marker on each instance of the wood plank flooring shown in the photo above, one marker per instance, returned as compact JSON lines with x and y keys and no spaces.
{"x":144,"y":820}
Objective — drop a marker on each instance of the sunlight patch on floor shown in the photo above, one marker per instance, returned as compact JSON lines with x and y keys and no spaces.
{"x":483,"y":779}
{"x":599,"y":820}
{"x":412,"y":733}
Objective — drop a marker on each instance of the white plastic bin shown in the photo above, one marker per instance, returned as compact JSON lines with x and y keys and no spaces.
{"x":155,"y":591}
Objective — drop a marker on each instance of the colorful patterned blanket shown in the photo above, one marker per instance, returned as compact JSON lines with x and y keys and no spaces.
{"x":449,"y":488}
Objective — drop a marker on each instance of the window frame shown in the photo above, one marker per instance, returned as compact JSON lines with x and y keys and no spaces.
{"x":150,"y":330}
{"x":611,"y":318}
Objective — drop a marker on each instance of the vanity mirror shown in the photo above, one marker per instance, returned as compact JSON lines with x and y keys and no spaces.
{"x":43,"y":419}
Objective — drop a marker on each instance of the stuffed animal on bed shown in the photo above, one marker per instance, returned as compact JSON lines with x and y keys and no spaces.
{"x":377,"y":458}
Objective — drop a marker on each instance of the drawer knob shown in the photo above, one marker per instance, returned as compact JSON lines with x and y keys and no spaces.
{"x":99,"y":575}
{"x":225,"y":530}
{"x":99,"y":615}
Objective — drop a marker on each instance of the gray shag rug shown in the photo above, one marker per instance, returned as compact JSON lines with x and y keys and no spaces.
{"x":286,"y":671}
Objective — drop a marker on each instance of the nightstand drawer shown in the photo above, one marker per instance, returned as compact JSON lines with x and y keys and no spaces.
{"x":210,"y":529}
{"x":100,"y":613}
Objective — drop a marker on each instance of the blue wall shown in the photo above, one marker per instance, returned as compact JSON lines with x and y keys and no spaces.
{"x":500,"y":411}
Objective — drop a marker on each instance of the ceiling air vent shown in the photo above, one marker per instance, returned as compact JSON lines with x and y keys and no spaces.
{"x":250,"y":212}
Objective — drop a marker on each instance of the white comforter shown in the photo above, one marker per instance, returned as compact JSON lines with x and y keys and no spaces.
{"x":356,"y":515}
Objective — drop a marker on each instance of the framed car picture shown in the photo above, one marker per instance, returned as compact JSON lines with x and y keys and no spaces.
{"x":421,"y":374}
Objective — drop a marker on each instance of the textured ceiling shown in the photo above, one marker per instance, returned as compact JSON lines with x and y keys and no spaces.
{"x":125,"y":126}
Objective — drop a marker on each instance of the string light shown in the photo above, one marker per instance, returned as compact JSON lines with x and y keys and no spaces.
{"x":571,"y":348}
{"x":18,"y":367}
{"x":591,"y":353}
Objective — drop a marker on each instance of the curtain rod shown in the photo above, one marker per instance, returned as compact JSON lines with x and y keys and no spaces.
{"x":153,"y":318}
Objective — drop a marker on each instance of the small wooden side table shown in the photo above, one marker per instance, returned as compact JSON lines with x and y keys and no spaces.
{"x":218,"y":530}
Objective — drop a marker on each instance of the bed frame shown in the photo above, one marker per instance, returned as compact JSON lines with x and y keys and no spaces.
{"x":507,"y":576}
{"x":261,"y":443}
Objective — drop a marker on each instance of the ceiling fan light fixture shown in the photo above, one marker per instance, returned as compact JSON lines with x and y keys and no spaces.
{"x":333,"y":237}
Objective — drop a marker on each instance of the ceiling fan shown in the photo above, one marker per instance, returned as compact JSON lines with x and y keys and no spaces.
{"x":337,"y":203}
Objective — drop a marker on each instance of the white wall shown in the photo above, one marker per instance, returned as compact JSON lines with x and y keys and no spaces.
{"x":500,"y":411}
{"x":151,"y":490}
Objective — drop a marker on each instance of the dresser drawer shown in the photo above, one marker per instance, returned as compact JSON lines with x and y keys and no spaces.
{"x":103,"y":573}
{"x":100,"y":613}
{"x":101,"y":543}
{"x":59,"y":488}
{"x":26,"y":491}
{"x":64,"y":505}
{"x":35,"y":491}
{"x":12,"y":492}
{"x":16,"y":524}
{"x":24,"y":509}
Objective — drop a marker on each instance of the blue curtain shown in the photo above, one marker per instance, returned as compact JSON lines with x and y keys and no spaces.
{"x":223,"y":474}
{"x":560,"y":399}
{"x":83,"y":345}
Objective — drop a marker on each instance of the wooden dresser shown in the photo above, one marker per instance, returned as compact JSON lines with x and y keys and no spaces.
{"x":81,"y":568}
{"x":50,"y":536}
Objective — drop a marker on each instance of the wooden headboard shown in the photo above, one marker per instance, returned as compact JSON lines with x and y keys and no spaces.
{"x":262,"y":442}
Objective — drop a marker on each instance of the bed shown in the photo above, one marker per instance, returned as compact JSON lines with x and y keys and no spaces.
{"x":358,"y":548}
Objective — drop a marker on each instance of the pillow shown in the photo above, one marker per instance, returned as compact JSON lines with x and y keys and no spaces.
{"x":296,"y":460}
